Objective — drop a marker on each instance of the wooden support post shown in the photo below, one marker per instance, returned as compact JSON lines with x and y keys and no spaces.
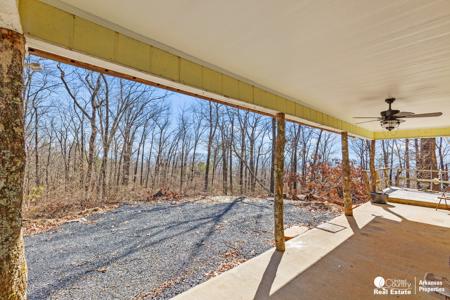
{"x":407,"y":166}
{"x":13,"y":270}
{"x":346,"y":175}
{"x":367,"y":183}
{"x":279,"y":172}
{"x":373,"y":171}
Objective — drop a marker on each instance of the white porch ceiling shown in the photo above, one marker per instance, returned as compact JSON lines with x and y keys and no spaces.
{"x":341,"y":57}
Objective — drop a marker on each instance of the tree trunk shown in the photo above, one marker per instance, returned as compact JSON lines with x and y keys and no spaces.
{"x":373,"y":171}
{"x":241,"y":162}
{"x":442,"y":159}
{"x":252,"y":161}
{"x":149,"y":161}
{"x":294,"y":158}
{"x":141,"y":174}
{"x":294,"y":191}
{"x":214,"y":165}
{"x":36,"y":146}
{"x":391,"y":169}
{"x":49,"y":152}
{"x":428,"y":161}
{"x":13,"y":270}
{"x":182,"y":156}
{"x":417,"y":160}
{"x":407,"y":175}
{"x":127,"y":145}
{"x":279,"y":172}
{"x":224,"y":164}
{"x":126,"y":164}
{"x":91,"y":153}
{"x":386,"y":164}
{"x":315,"y":158}
{"x":208,"y":154}
{"x":102,"y":183}
{"x":193,"y":160}
{"x":158,"y":159}
{"x":346,"y":176}
{"x":81,"y":160}
{"x":138,"y":155}
{"x":119,"y":169}
{"x":272,"y":167}
{"x":230,"y":153}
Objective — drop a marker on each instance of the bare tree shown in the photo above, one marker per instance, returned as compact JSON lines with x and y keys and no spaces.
{"x":92,"y":84}
{"x":212,"y":117}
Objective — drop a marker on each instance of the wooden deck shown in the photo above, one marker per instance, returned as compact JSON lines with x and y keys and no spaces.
{"x":394,"y":241}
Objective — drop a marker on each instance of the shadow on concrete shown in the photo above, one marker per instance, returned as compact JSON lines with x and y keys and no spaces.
{"x":353,"y":225}
{"x":263,"y":291}
{"x":384,"y":247}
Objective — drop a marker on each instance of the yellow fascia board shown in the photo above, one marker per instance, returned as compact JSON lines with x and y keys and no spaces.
{"x":412,"y":133}
{"x":60,"y":28}
{"x":191,"y":73}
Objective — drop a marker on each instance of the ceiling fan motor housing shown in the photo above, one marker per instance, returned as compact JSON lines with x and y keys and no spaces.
{"x":389,"y":114}
{"x":389,"y":100}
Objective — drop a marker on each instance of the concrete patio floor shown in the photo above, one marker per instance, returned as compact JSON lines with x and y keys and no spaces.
{"x":418,"y":198}
{"x":341,"y":258}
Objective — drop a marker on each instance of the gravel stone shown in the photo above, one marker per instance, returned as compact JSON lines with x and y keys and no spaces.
{"x":130,"y":251}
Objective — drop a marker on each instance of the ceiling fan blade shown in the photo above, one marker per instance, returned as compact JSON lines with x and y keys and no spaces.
{"x":403,"y":114}
{"x":366,"y":117}
{"x":367,"y":121}
{"x":427,"y":115}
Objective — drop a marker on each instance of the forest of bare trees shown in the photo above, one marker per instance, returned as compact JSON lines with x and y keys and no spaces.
{"x":93,"y":138}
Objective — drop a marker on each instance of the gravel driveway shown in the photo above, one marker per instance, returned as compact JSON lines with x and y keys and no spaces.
{"x":152,"y":250}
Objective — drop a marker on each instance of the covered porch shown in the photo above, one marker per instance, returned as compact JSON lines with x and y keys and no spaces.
{"x":315,"y":63}
{"x":340,"y":259}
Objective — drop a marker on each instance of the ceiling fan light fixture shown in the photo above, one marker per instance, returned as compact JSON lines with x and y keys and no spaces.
{"x":390,"y":124}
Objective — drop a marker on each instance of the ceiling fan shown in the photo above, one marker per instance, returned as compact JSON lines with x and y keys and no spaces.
{"x":391,"y":118}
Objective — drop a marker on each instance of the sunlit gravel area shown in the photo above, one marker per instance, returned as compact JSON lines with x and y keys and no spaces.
{"x":154,"y":250}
